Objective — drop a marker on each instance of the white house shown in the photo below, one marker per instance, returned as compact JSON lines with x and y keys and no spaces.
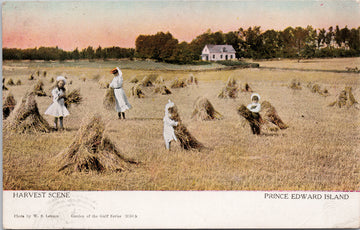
{"x":218,"y":52}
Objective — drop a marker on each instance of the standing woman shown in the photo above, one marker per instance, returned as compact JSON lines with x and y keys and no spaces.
{"x":122,"y":103}
{"x":57,"y":108}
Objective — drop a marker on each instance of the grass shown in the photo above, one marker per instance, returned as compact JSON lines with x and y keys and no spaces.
{"x":319,"y":151}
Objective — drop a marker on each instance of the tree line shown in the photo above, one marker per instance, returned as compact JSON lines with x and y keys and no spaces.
{"x":253,"y":43}
{"x":55,"y":53}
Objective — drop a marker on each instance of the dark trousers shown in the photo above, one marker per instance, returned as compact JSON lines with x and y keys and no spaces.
{"x":255,"y":123}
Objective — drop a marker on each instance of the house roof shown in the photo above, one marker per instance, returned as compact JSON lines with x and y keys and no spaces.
{"x":221,"y":48}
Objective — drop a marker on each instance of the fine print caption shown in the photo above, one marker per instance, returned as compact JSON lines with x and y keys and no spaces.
{"x":306,"y":196}
{"x":63,"y":196}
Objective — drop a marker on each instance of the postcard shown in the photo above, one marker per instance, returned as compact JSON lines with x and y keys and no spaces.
{"x":180,"y":114}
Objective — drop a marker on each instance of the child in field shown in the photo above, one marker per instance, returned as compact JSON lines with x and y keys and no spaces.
{"x":57,"y":108}
{"x":169,"y":133}
{"x":122,"y":103}
{"x":255,"y":108}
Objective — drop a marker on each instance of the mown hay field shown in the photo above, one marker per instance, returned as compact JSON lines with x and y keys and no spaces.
{"x":319,"y":151}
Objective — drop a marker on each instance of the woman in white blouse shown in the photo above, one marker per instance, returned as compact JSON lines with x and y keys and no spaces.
{"x":122,"y":103}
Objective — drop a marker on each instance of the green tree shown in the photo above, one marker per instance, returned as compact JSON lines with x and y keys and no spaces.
{"x":98,"y":52}
{"x":354,"y":39}
{"x":270,"y":46}
{"x":75,"y":54}
{"x":232,"y":38}
{"x":345,"y":36}
{"x":337,"y":35}
{"x":159,"y":46}
{"x":321,"y":38}
{"x":89,"y":53}
{"x":329,"y":36}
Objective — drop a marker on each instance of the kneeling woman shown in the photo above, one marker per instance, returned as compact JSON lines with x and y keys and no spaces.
{"x":122,"y":103}
{"x":255,"y":108}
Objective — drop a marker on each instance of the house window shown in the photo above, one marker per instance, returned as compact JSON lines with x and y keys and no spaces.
{"x":231,"y":57}
{"x":224,"y":49}
{"x":214,"y":56}
{"x":221,"y":56}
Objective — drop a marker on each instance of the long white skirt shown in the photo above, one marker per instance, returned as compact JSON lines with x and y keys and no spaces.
{"x":57,"y":109}
{"x":122,"y":103}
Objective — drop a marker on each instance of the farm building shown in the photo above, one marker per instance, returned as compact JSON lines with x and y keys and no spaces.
{"x":218,"y":52}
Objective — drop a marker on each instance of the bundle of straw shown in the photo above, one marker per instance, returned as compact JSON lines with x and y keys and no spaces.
{"x":268,"y":112}
{"x":74,"y":97}
{"x":317,"y":89}
{"x":159,"y":80}
{"x":204,"y":110}
{"x":231,"y":82}
{"x":109,"y":99}
{"x":178,"y":83}
{"x":247,"y":88}
{"x":295,"y":85}
{"x":26,"y":117}
{"x":8,"y":105}
{"x":162,"y":89}
{"x":192,"y":80}
{"x":18,"y":82}
{"x":230,"y":90}
{"x":103,"y":83}
{"x":38,"y":89}
{"x":10,"y":82}
{"x":187,"y":141}
{"x":134,"y":80}
{"x":92,"y":151}
{"x":146,"y":81}
{"x":136,"y":91}
{"x":345,"y":99}
{"x":248,"y":115}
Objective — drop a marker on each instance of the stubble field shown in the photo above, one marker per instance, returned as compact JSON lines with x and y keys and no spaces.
{"x":319,"y":151}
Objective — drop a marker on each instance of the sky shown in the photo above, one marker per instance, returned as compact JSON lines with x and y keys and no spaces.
{"x":79,"y":24}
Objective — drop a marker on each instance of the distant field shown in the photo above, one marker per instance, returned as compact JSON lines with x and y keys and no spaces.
{"x":335,"y":64}
{"x":124,"y":64}
{"x":319,"y":151}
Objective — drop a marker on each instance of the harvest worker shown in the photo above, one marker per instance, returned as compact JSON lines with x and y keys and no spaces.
{"x":122,"y":103}
{"x":57,"y":108}
{"x":255,"y":108}
{"x":169,"y":133}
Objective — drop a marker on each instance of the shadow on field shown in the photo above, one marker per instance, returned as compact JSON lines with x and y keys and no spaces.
{"x":65,"y":130}
{"x":272,"y":134}
{"x":144,"y":118}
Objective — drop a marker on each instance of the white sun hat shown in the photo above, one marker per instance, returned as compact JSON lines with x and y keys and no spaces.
{"x":61,"y":78}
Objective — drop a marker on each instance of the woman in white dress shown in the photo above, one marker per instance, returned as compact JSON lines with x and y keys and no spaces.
{"x":169,"y":133}
{"x":122,"y":103}
{"x":57,"y":108}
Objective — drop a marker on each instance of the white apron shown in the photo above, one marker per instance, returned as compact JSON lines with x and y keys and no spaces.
{"x":57,"y":108}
